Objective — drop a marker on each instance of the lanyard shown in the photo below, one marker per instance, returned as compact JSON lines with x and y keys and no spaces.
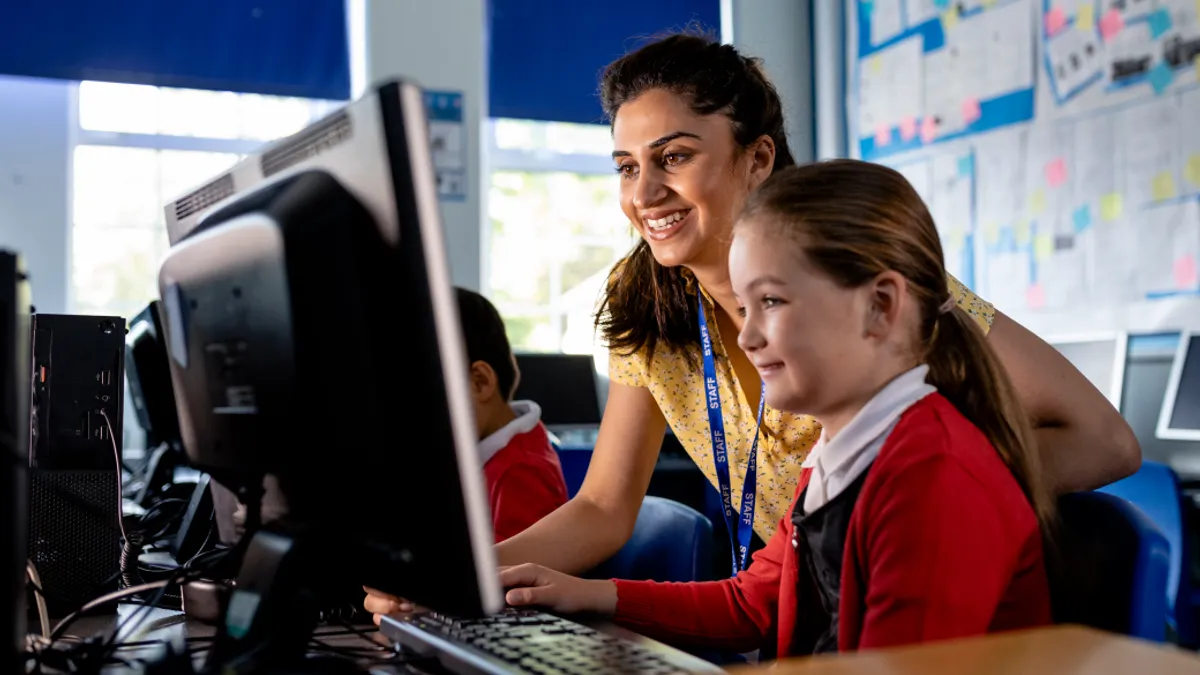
{"x":739,"y":532}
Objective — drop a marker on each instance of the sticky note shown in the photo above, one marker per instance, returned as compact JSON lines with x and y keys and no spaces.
{"x":1111,"y":23}
{"x":971,"y":110}
{"x":941,"y":4}
{"x":965,"y":166}
{"x":928,"y":129}
{"x":908,"y":128}
{"x":949,"y":19}
{"x":1191,"y":170}
{"x":883,"y":136}
{"x":1163,"y":186}
{"x":1043,"y":247}
{"x":1184,"y":271}
{"x":1023,"y":231}
{"x":1111,"y":206}
{"x":1085,"y":16}
{"x":991,"y":233}
{"x":1161,"y":76}
{"x":1056,"y":172}
{"x":868,"y":6}
{"x":1037,"y":202}
{"x":875,"y":65}
{"x":956,"y":240}
{"x":1160,"y":22}
{"x":1055,"y":20}
{"x":1081,"y":218}
{"x":988,"y":3}
{"x":1035,"y":296}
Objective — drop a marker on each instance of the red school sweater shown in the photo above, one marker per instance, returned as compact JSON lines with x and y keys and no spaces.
{"x":942,"y":543}
{"x":524,"y":482}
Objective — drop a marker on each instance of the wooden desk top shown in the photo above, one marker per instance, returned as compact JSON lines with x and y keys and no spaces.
{"x":1059,"y":650}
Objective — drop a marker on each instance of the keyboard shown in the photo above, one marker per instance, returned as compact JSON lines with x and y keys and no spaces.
{"x":526,"y":641}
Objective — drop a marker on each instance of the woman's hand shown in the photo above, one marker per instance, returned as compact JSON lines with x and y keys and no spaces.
{"x":379,"y":603}
{"x":536,"y":585}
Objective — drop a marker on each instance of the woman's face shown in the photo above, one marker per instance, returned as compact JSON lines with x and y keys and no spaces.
{"x":683,"y":177}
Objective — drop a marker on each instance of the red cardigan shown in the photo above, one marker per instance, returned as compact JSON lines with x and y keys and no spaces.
{"x":942,"y":543}
{"x":524,"y":483}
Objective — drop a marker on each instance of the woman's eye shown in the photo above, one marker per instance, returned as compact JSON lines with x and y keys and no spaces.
{"x":674,"y":158}
{"x":626,"y":170}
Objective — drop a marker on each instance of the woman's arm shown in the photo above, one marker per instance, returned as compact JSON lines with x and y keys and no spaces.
{"x":594,"y":525}
{"x":1083,"y":441}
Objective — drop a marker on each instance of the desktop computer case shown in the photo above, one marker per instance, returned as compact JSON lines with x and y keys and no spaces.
{"x":74,"y":470}
{"x":14,"y":438}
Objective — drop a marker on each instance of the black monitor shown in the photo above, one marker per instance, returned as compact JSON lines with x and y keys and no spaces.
{"x":1179,"y":419}
{"x":15,"y":371}
{"x":149,"y":378}
{"x":312,"y":334}
{"x":1100,"y":357}
{"x":563,"y":385}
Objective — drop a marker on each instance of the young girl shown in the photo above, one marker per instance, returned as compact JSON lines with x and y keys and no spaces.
{"x":919,"y":511}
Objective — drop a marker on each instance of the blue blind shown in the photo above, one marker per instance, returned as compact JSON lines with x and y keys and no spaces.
{"x":546,"y":56}
{"x":276,"y":47}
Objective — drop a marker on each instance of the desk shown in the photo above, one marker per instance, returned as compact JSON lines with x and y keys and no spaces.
{"x":1060,"y":650}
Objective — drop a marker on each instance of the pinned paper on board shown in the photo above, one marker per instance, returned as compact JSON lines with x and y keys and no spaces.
{"x":971,"y":110}
{"x":883,"y":135}
{"x":1037,"y":203}
{"x":1081,"y":218}
{"x":1043,"y":247}
{"x":1085,"y":16}
{"x":1111,"y":206}
{"x":1163,"y":187}
{"x":1191,"y":170}
{"x":928,"y":129}
{"x":875,"y":65}
{"x":949,"y":19}
{"x":965,"y":166}
{"x":1160,"y":23}
{"x":1056,"y":172}
{"x":1185,"y":272}
{"x":1111,"y":24}
{"x":908,"y":128}
{"x":1056,"y":19}
{"x":1161,"y":76}
{"x":1035,"y":296}
{"x":1023,"y":231}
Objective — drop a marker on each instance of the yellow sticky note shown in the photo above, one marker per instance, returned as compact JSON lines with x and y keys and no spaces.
{"x":1111,"y":206}
{"x":1163,"y":186}
{"x":1191,"y":171}
{"x":949,"y":19}
{"x":1043,"y":247}
{"x":989,"y":3}
{"x":1023,"y":231}
{"x":875,"y":65}
{"x":991,"y":232}
{"x":1085,"y":17}
{"x":1037,"y":203}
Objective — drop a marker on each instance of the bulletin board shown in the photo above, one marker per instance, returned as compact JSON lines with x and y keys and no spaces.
{"x":1055,"y":142}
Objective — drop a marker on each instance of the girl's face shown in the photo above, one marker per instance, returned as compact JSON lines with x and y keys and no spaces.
{"x":683,"y":177}
{"x":821,"y":349}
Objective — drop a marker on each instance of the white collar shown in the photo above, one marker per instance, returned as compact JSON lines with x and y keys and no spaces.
{"x":528,"y":415}
{"x":839,"y":462}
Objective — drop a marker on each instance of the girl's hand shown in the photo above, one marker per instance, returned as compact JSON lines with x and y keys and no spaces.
{"x":536,"y":585}
{"x":379,"y":603}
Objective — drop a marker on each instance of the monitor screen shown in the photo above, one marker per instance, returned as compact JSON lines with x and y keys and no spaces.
{"x":563,"y":385}
{"x":1101,"y":359}
{"x":1180,"y":415}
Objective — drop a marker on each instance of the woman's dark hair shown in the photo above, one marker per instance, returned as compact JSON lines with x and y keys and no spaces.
{"x":487,"y":341}
{"x":853,"y":221}
{"x":646,"y":304}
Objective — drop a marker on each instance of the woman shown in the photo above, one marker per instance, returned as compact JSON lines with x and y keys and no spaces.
{"x":697,"y":127}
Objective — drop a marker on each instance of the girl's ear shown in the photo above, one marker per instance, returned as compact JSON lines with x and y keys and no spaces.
{"x":886,"y":294}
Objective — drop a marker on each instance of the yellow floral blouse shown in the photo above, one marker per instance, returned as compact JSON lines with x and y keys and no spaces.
{"x":786,"y":438}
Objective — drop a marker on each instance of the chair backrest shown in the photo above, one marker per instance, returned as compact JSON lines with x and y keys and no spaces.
{"x":1108,"y":567}
{"x":1155,"y":490}
{"x":671,"y":542}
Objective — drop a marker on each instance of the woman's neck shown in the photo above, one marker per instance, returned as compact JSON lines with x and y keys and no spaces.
{"x":715,"y":281}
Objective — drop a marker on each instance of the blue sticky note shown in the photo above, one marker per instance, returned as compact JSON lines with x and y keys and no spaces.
{"x":964,"y":165}
{"x":941,"y":4}
{"x":1161,"y":76}
{"x":1082,"y":218}
{"x":1160,"y":22}
{"x":867,"y":6}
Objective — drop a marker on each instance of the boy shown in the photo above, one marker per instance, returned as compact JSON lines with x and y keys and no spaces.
{"x":524,"y":478}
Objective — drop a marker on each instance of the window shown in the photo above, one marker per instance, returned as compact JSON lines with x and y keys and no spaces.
{"x":556,"y":229}
{"x":139,"y":147}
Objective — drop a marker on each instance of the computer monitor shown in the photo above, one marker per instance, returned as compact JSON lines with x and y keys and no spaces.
{"x":563,"y":385}
{"x":312,"y":334}
{"x":1100,"y":357}
{"x":15,"y":372}
{"x":1179,"y":419}
{"x":149,"y":377}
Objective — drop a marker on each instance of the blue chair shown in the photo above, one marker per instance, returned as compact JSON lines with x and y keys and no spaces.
{"x":1155,"y":490}
{"x":670,"y":542}
{"x":1108,"y":567}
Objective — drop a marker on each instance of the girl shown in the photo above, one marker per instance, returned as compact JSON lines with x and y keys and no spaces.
{"x":917,"y":516}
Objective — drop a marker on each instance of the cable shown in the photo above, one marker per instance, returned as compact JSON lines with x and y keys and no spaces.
{"x":69,"y":619}
{"x":36,"y":581}
{"x":120,"y":489}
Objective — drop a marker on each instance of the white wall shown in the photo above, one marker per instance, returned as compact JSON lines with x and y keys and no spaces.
{"x":35,"y":179}
{"x":440,"y":45}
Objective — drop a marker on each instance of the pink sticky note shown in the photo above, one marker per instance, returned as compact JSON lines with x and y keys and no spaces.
{"x":1056,"y":172}
{"x":908,"y":128}
{"x":928,"y":129}
{"x":1055,"y":20}
{"x":1035,"y":296}
{"x":1111,"y":23}
{"x":971,"y":111}
{"x":1185,"y":272}
{"x":883,"y":135}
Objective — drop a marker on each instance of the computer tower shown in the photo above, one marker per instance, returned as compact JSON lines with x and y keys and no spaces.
{"x":14,"y":439}
{"x":74,"y":456}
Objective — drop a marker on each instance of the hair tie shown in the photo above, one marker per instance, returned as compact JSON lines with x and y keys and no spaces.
{"x":947,"y":305}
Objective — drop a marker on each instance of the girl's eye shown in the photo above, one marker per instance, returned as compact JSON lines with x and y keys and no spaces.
{"x":769,"y":301}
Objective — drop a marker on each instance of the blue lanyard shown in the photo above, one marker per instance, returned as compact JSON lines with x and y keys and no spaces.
{"x":739,"y":532}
